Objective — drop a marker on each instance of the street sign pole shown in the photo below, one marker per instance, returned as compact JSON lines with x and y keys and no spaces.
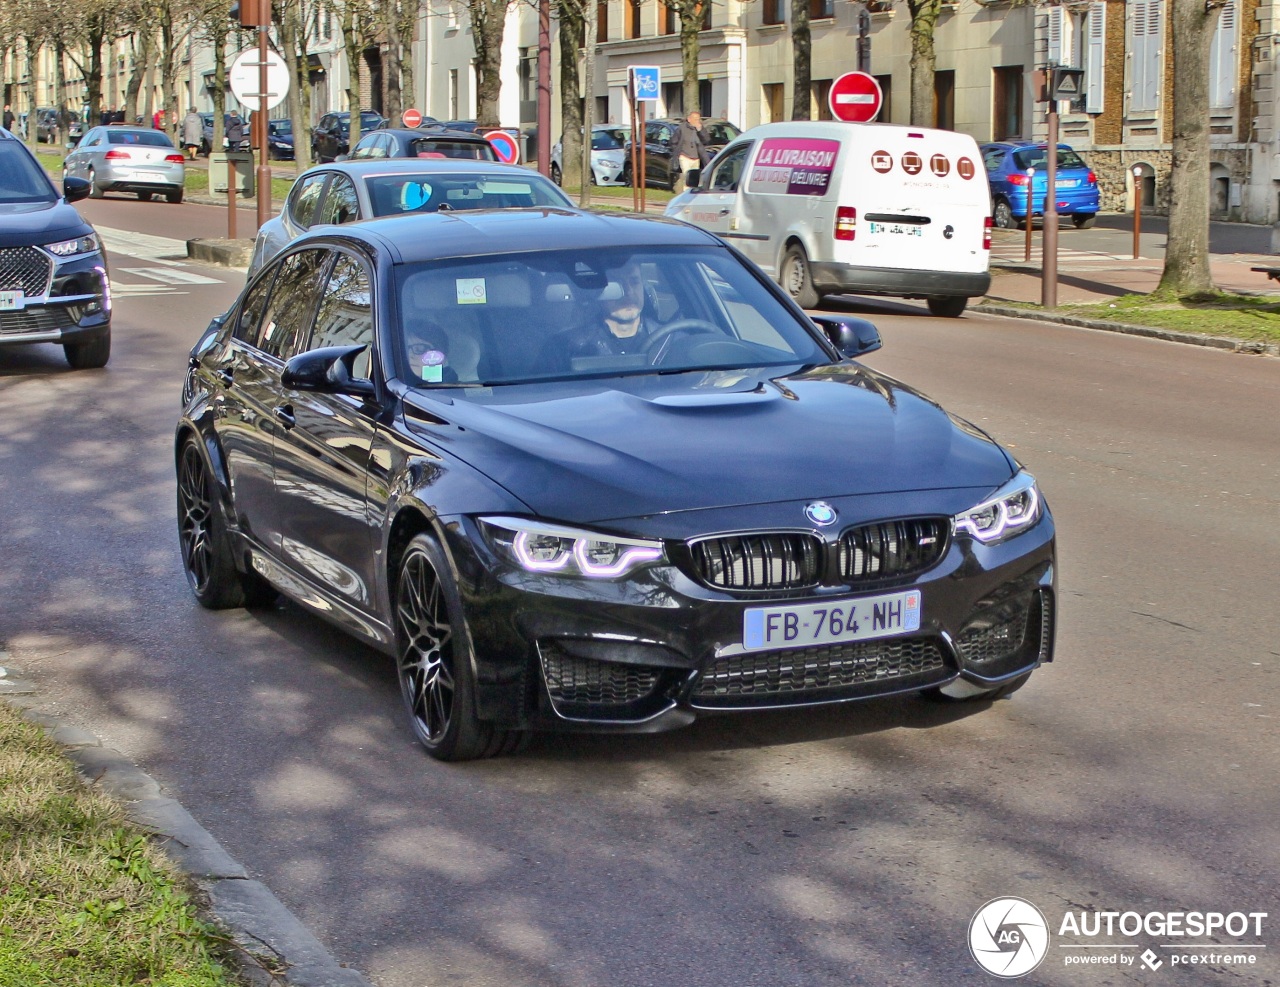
{"x":260,"y":125}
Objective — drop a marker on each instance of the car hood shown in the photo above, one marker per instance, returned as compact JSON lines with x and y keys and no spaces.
{"x":648,"y":446}
{"x":23,"y":223}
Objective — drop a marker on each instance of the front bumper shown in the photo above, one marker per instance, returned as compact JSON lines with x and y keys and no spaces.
{"x":76,"y":306}
{"x":654,"y":651}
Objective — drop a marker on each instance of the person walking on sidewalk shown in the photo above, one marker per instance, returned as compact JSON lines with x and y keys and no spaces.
{"x":192,"y":132}
{"x":235,"y":132}
{"x":8,"y":117}
{"x":689,"y":147}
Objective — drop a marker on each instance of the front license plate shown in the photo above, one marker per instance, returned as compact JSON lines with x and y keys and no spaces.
{"x":12,"y":301}
{"x":831,"y":622}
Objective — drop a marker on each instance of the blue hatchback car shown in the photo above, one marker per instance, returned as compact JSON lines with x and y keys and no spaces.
{"x":1007,"y":164}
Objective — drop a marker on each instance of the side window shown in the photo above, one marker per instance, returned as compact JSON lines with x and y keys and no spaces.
{"x":991,"y":160}
{"x":303,"y":199}
{"x":364,"y":149}
{"x":292,"y":306}
{"x":341,"y":204}
{"x":249,"y":318}
{"x":346,"y":313}
{"x":727,"y":171}
{"x":379,"y":148}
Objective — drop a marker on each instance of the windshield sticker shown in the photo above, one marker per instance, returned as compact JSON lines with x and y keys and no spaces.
{"x":793,"y":166}
{"x":471,"y":291}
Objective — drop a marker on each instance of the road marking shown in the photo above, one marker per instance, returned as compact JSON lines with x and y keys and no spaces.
{"x":170,"y":275}
{"x":160,"y":249}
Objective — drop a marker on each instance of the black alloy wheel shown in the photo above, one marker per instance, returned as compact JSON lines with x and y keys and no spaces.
{"x":202,"y":534}
{"x":433,"y":664}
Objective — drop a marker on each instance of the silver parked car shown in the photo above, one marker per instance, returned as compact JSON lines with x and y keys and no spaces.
{"x":346,"y":191}
{"x":608,"y":155}
{"x":128,"y":159}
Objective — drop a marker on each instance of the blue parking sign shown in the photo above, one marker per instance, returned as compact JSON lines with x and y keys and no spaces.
{"x":644,"y":82}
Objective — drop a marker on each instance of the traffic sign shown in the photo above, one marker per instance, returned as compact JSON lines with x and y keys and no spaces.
{"x":855,"y":97}
{"x":243,"y":79}
{"x":645,"y":82}
{"x":411,"y":117}
{"x":504,"y":145}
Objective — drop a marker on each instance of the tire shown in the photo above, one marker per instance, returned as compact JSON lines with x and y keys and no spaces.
{"x":175,"y":196}
{"x":144,"y":196}
{"x":433,"y":661}
{"x":94,"y":191}
{"x":207,"y":557}
{"x":981,"y":695}
{"x":91,"y":355}
{"x":796,"y":278}
{"x":625,"y":176}
{"x":948,"y":308}
{"x":1002,"y":216}
{"x":1084,"y":220}
{"x":555,"y":174}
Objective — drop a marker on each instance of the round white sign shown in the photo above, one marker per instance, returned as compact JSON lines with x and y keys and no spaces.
{"x":243,"y":79}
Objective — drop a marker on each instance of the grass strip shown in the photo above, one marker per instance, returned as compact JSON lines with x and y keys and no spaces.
{"x":85,"y":899}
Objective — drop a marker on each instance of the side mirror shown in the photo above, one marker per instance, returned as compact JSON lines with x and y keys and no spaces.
{"x":328,"y":371}
{"x":852,"y":336}
{"x":343,"y":157}
{"x":74,"y":189}
{"x":693,"y":180}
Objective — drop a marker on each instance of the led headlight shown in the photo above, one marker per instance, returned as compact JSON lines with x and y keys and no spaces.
{"x":80,"y":245}
{"x":1015,"y":507}
{"x":539,"y":547}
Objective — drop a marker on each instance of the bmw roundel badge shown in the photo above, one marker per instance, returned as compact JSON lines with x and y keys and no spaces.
{"x":820,"y":513}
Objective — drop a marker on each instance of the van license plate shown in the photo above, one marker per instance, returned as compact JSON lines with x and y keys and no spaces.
{"x":12,"y":301}
{"x":831,"y":622}
{"x":910,"y":230}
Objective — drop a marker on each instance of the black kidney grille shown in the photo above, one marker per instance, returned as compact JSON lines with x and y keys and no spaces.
{"x":24,"y":268}
{"x":810,"y":670}
{"x":892,"y":549}
{"x":598,"y":683}
{"x":766,"y":561}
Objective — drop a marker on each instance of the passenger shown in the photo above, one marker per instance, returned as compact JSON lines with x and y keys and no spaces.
{"x":424,"y":343}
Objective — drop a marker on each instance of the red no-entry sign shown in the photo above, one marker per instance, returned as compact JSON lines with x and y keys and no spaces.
{"x":856,"y":97}
{"x":411,"y":117}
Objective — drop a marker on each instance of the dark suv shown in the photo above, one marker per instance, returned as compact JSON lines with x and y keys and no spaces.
{"x":53,"y":274}
{"x":331,"y":136}
{"x":660,"y":166}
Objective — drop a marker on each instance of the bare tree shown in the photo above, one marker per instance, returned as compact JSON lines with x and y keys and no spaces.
{"x":924,"y":21}
{"x":488,"y":23}
{"x":572,"y":15}
{"x":692,"y":14}
{"x":1186,"y":259}
{"x":358,"y":26}
{"x":291,"y":19}
{"x":802,"y":49}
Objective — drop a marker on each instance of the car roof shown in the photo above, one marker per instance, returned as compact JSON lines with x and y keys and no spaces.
{"x":364,"y":167}
{"x":482,"y":232}
{"x":421,"y":133}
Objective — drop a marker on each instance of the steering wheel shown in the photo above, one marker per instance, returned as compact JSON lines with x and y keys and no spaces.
{"x":656,"y":346}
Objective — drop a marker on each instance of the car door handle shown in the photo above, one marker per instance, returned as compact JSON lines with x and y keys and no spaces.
{"x":225,"y":377}
{"x":725,"y":212}
{"x":284,"y":415}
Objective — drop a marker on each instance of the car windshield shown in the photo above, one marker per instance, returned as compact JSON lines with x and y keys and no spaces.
{"x":284,"y":127}
{"x":21,"y":179}
{"x":151,"y":138}
{"x":607,"y":140}
{"x":1038,"y":158}
{"x":577,"y":314}
{"x":399,"y":193}
{"x":436,"y":147}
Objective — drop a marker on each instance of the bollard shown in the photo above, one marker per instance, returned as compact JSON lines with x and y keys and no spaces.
{"x":1137,"y":212}
{"x":1031,"y":180}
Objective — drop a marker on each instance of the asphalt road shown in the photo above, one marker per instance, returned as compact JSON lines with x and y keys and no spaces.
{"x":848,"y":846}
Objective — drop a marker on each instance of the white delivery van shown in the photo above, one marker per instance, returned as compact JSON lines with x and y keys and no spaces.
{"x":826,"y":207}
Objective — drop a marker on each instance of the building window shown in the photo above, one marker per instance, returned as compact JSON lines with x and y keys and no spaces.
{"x":1223,"y":60}
{"x":820,"y":105}
{"x":1007,"y":112}
{"x":1077,"y":38}
{"x":631,"y":8}
{"x":602,"y":21}
{"x":821,"y":9}
{"x":944,"y":99}
{"x":1145,"y":43}
{"x":704,"y":97}
{"x":775,"y":11}
{"x":453,"y":94}
{"x":774,"y":96}
{"x":666,"y":19}
{"x":886,"y":103}
{"x":528,"y":70}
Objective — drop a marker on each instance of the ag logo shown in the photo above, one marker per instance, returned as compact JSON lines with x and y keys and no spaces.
{"x":1008,"y":937}
{"x":821,"y":513}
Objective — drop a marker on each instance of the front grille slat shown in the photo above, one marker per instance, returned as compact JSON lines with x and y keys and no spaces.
{"x":891,"y":549}
{"x":26,"y":269}
{"x":813,"y":671}
{"x":762,"y":561}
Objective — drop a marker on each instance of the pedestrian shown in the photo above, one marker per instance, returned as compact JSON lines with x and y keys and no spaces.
{"x":192,"y":132}
{"x":157,"y":119}
{"x":689,"y":147}
{"x":235,"y":131}
{"x":8,"y":117}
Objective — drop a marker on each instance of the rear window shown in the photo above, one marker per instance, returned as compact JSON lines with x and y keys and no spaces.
{"x":431,"y":147}
{"x":151,"y":138}
{"x":21,"y":179}
{"x":1038,"y":158}
{"x":607,"y":140}
{"x":392,"y":195}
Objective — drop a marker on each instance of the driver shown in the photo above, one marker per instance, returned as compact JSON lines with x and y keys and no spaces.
{"x":621,"y":326}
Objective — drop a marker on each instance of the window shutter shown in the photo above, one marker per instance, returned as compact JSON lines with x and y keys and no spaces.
{"x":1154,"y":49}
{"x":1054,"y":54}
{"x":1222,"y":60}
{"x":1094,"y":60}
{"x":1144,"y":66}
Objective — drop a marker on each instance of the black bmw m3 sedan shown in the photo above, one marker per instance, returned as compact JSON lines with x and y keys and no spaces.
{"x":595,"y":472}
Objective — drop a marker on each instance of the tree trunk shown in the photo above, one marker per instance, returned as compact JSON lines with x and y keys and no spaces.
{"x":93,"y":76}
{"x":802,"y":48}
{"x":1186,"y":258}
{"x":32,"y":48}
{"x":141,"y":45}
{"x":352,"y":38}
{"x":489,"y":23}
{"x":219,"y":35}
{"x":588,"y":91}
{"x":292,"y":38}
{"x":60,"y":88}
{"x":406,"y":28}
{"x":690,"y":25}
{"x":924,"y":21}
{"x":391,"y":68}
{"x":570,"y":96}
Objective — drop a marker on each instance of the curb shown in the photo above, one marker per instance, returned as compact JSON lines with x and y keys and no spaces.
{"x":277,"y":949}
{"x":221,"y":252}
{"x":1193,"y":338}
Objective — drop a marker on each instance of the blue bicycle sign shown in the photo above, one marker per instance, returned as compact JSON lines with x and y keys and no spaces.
{"x":644,"y":82}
